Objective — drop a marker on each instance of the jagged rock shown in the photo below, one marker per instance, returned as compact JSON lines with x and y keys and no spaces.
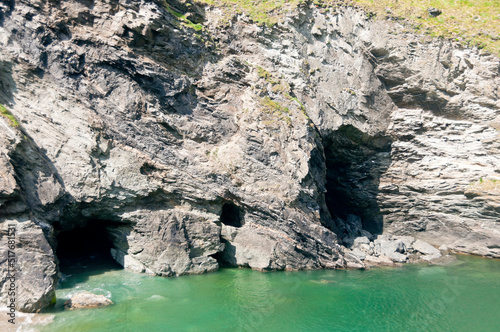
{"x":367,"y":234}
{"x":193,"y":238}
{"x":363,"y":244}
{"x":287,"y":136}
{"x":354,"y":225}
{"x":128,"y":262}
{"x":87,"y":300}
{"x":353,"y":261}
{"x":407,"y":241}
{"x":391,"y":248}
{"x":28,"y":269}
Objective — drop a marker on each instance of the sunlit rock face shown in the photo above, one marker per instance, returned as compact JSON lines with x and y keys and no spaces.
{"x":240,"y":145}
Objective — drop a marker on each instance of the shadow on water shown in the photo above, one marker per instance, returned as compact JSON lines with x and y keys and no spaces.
{"x":84,"y":252}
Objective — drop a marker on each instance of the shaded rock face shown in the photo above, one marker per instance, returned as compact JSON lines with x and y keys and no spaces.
{"x":242,"y":145}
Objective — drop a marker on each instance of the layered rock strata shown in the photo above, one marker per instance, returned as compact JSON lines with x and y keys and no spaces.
{"x":239,"y":144}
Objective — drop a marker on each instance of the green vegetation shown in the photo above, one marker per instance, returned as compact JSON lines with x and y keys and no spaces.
{"x":263,"y":73}
{"x":474,"y":22}
{"x":302,"y":107}
{"x":281,"y":89}
{"x":5,"y":113}
{"x":274,"y":106}
{"x":350,"y":91}
{"x":277,"y":109}
{"x":214,"y":153}
{"x":266,"y":75}
{"x":183,"y":19}
{"x":486,"y":185}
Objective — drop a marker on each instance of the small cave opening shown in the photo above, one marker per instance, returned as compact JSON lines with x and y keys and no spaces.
{"x":227,"y":257}
{"x":86,"y":247}
{"x":232,"y":215}
{"x":355,"y":162}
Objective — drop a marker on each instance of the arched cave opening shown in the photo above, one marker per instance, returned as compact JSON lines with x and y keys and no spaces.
{"x":232,"y":215}
{"x":86,"y":247}
{"x":355,"y":162}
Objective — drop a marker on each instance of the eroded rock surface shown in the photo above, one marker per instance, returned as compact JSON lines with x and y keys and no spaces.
{"x":242,"y":145}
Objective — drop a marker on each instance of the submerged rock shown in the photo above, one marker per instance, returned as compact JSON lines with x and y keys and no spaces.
{"x":87,"y":300}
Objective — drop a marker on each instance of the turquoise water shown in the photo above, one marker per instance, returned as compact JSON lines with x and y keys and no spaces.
{"x":464,"y":296}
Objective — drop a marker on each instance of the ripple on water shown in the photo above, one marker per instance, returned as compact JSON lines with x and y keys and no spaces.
{"x":388,"y":299}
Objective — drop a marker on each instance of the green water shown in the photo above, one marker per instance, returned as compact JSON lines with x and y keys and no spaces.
{"x":464,"y":296}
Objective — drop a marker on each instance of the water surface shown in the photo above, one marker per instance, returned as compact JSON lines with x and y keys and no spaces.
{"x":464,"y":296}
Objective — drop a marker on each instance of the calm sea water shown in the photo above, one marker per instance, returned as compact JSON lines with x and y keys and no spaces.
{"x":464,"y":296}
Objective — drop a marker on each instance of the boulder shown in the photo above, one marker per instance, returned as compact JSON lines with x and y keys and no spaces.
{"x":360,"y":240}
{"x":359,"y":253}
{"x":378,"y":261}
{"x":434,"y":12}
{"x":444,"y":249}
{"x":425,"y":248}
{"x":393,"y":249}
{"x":87,"y":300}
{"x":397,"y":257}
{"x":33,"y":275}
{"x":407,"y":241}
{"x":353,"y":261}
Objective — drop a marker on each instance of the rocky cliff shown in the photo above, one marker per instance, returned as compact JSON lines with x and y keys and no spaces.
{"x":195,"y":140}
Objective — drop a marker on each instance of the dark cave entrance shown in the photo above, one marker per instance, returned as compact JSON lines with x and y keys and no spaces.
{"x":355,"y":162}
{"x":232,"y":215}
{"x":87,"y":247}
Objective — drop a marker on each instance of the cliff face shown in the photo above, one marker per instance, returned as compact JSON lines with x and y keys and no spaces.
{"x":240,"y":145}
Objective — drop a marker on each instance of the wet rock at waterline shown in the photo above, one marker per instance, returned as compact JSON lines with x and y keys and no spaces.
{"x":87,"y":300}
{"x":388,"y":250}
{"x":250,"y":146}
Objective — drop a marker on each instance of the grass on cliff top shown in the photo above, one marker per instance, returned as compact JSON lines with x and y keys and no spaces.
{"x":5,"y":113}
{"x":474,"y":22}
